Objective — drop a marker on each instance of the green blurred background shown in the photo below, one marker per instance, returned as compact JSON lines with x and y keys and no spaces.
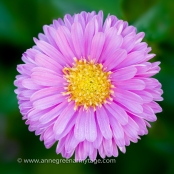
{"x":21,"y":20}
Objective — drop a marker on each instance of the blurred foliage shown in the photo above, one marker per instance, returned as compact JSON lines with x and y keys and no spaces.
{"x":21,"y":20}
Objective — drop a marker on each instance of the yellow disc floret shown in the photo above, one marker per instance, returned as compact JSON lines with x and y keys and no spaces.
{"x":87,"y":84}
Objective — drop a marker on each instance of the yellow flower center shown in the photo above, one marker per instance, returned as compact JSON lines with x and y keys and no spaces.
{"x":87,"y":84}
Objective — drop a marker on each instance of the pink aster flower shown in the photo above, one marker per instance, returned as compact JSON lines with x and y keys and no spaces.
{"x":87,"y":84}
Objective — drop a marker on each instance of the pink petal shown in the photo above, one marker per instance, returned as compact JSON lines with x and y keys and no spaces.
{"x":118,"y":112}
{"x":35,"y":114}
{"x":68,"y":36}
{"x":156,"y":107}
{"x":48,"y":134}
{"x":30,"y":84}
{"x":49,"y":101}
{"x":141,"y":68}
{"x":112,"y":44}
{"x":93,"y":155}
{"x":47,"y":62}
{"x":132,"y":84}
{"x":49,"y":36}
{"x":103,"y":122}
{"x":60,"y":145}
{"x":115,"y":150}
{"x":107,"y":24}
{"x":79,"y":129}
{"x":122,"y":149}
{"x":146,"y":96}
{"x":69,"y":126}
{"x":78,"y":39}
{"x":71,"y":142}
{"x":82,"y":21}
{"x":118,"y":132}
{"x":139,"y":37}
{"x":149,"y":56}
{"x":27,"y":93}
{"x":47,"y":124}
{"x":25,"y":68}
{"x":114,"y":20}
{"x":68,"y":20}
{"x":141,"y":124}
{"x":151,"y":83}
{"x":52,"y":113}
{"x":97,"y":46}
{"x":96,"y":25}
{"x":91,"y":15}
{"x":52,"y":52}
{"x":124,"y":74}
{"x":19,"y":80}
{"x":88,"y":36}
{"x":119,"y":25}
{"x":45,"y":77}
{"x":63,"y":45}
{"x":148,"y":113}
{"x":90,"y":126}
{"x":88,"y":146}
{"x":101,"y":151}
{"x":99,"y":138}
{"x":129,"y":99}
{"x":131,"y":129}
{"x":128,"y":30}
{"x":30,"y":54}
{"x":128,"y":42}
{"x":108,"y":148}
{"x":117,"y":57}
{"x":64,"y":118}
{"x":140,"y":47}
{"x":57,"y":23}
{"x":100,"y":19}
{"x":45,"y":92}
{"x":81,"y":152}
{"x":156,"y":94}
{"x":42,"y":37}
{"x":132,"y":58}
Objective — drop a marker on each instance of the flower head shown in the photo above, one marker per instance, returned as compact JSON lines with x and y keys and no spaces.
{"x":89,"y":86}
